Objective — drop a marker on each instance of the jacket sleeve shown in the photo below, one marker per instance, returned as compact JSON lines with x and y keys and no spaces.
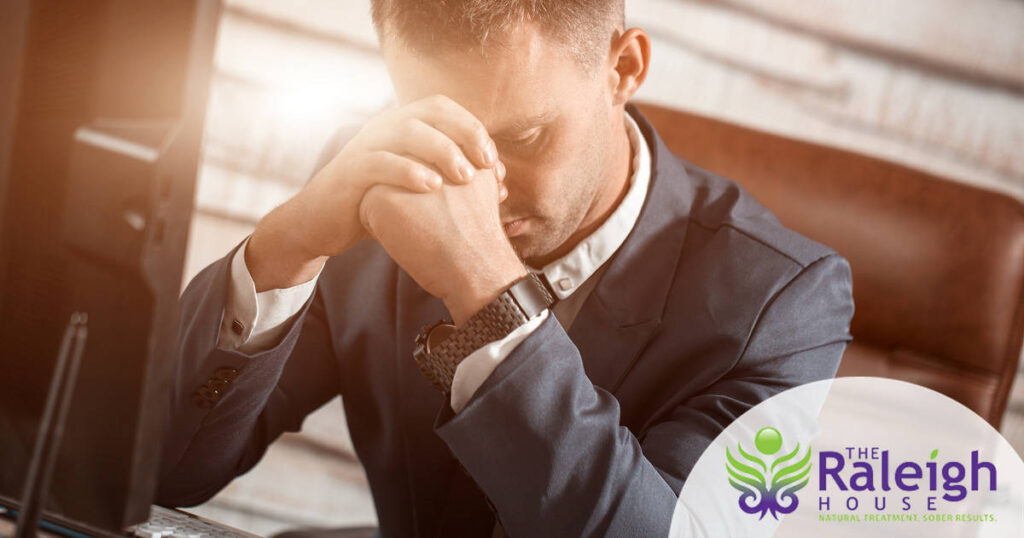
{"x":227,"y":406}
{"x":547,"y":447}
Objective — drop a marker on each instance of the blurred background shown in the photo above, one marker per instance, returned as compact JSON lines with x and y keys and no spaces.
{"x":936,"y":85}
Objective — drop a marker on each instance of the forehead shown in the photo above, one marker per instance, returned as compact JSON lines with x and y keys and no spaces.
{"x":521,"y":75}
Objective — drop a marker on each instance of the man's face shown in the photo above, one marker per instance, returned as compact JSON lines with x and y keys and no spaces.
{"x":551,"y":119}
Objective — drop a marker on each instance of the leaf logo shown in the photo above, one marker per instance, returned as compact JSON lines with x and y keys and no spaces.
{"x":763,"y":488}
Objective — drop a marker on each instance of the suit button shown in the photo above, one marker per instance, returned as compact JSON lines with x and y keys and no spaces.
{"x":226,"y":373}
{"x":201,"y":402}
{"x":218,"y":385}
{"x":208,"y":393}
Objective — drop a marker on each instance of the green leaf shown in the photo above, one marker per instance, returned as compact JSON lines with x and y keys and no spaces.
{"x":786,"y":458}
{"x":737,"y":470}
{"x":751,"y":457}
{"x":934,"y":453}
{"x":803,"y":467}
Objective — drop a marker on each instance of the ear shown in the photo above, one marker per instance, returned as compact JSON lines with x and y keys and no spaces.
{"x":628,"y":61}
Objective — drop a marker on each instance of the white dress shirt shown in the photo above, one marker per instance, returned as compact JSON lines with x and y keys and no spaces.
{"x":256,"y":322}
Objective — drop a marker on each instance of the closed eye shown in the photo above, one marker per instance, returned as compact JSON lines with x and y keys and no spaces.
{"x":523,"y":140}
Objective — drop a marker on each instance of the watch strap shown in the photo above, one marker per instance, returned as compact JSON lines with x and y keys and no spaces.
{"x":513,"y":308}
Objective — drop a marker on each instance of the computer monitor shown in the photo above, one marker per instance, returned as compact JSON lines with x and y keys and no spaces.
{"x":101,"y":115}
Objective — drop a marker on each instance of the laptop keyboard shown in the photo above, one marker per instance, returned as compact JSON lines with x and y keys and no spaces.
{"x":165,"y":522}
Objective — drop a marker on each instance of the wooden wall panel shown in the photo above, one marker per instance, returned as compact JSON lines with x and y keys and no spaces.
{"x":739,"y":65}
{"x":968,"y":38}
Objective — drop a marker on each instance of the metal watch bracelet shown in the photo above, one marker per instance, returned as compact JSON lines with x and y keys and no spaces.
{"x":437,"y":361}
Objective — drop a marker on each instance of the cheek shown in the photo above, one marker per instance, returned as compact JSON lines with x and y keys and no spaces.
{"x":565,"y":153}
{"x":556,"y":175}
{"x":542,"y":181}
{"x":529,"y":187}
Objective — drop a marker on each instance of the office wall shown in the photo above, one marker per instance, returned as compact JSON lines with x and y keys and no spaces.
{"x":933,"y":84}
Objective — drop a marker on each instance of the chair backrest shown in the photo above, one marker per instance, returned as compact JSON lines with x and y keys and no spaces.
{"x":938,"y":266}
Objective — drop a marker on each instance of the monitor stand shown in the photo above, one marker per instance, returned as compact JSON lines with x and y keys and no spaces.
{"x":51,"y":426}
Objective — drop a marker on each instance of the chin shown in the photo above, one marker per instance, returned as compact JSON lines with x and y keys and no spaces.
{"x":521,"y":246}
{"x":525,"y":246}
{"x":531,"y":246}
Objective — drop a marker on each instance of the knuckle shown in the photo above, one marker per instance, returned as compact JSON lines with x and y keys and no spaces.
{"x":375,"y":163}
{"x":474,"y":131}
{"x":440,"y":100}
{"x":480,"y":134}
{"x":368,"y":210}
{"x":370,"y":201}
{"x":450,"y":151}
{"x":408,"y":128}
{"x":413,"y":173}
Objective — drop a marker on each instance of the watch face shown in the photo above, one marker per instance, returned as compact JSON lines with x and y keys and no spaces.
{"x":439,"y":334}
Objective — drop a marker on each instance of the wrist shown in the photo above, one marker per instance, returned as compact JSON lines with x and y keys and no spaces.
{"x":473,"y":296}
{"x":276,"y":255}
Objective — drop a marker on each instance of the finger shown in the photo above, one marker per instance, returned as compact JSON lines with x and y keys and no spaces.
{"x":384,"y":167}
{"x":502,"y":192}
{"x":460,"y":125}
{"x":429,"y":145}
{"x":500,"y":171}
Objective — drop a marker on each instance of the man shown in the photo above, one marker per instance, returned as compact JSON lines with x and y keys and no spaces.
{"x":666,"y":301}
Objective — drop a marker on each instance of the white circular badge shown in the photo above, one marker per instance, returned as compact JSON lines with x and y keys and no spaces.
{"x":855,"y":456}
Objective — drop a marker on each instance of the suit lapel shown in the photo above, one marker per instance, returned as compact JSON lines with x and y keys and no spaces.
{"x":624,"y":311}
{"x":607,"y":347}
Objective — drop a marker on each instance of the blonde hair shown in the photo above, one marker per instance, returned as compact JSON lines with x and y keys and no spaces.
{"x":585,"y":26}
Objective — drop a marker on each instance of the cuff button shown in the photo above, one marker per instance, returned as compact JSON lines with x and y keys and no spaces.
{"x":208,"y":394}
{"x":217,"y":384}
{"x":226,"y":373}
{"x":237,"y":327}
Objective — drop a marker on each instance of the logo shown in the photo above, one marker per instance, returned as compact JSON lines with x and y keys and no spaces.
{"x":933,"y":485}
{"x":768,"y":487}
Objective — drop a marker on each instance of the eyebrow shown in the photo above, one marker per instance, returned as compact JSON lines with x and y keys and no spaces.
{"x":523,"y":124}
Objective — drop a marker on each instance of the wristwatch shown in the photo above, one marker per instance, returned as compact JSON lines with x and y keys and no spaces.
{"x":441,"y":346}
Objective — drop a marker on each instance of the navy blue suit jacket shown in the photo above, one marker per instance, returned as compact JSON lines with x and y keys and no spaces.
{"x":709,"y":307}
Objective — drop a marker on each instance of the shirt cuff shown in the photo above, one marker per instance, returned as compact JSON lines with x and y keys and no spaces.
{"x":477,"y":367}
{"x":255,"y":322}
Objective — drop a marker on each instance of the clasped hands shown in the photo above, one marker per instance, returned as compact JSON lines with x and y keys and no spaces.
{"x":450,"y":241}
{"x":425,"y":181}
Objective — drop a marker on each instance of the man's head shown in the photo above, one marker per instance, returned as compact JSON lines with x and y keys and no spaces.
{"x":548,"y":79}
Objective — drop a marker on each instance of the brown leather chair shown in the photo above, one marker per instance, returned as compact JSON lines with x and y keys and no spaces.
{"x":938,"y":266}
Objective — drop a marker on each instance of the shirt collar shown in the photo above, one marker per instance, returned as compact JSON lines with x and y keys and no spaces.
{"x":568,"y":273}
